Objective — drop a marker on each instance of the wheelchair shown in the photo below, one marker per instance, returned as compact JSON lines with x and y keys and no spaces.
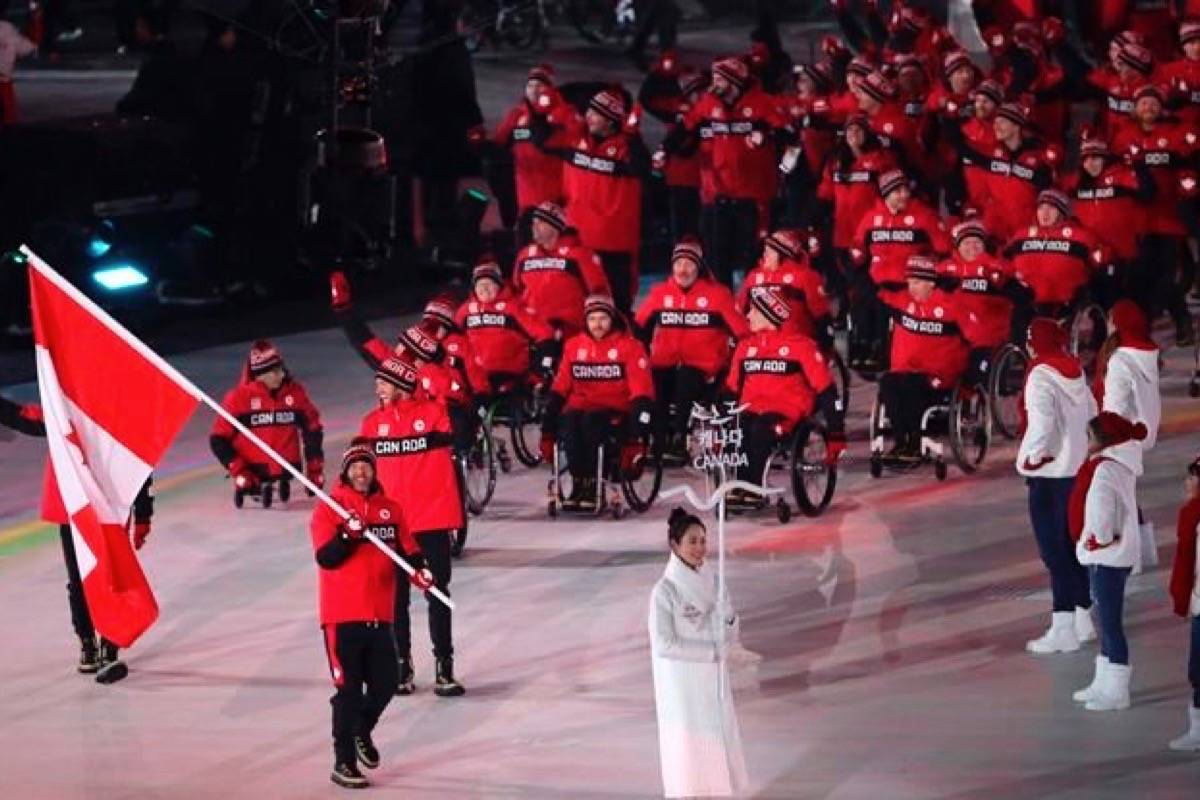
{"x":1005,"y":383}
{"x":636,"y":492}
{"x":266,"y":491}
{"x":801,"y":454}
{"x":1087,"y":328}
{"x":477,"y":469}
{"x":962,"y":414}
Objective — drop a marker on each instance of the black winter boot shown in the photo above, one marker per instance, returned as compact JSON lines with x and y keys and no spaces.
{"x":445,"y":685}
{"x":89,"y":657}
{"x":346,"y":775}
{"x":112,"y":668}
{"x":405,"y":685}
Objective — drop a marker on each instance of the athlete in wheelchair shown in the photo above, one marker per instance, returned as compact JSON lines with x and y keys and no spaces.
{"x":921,"y":397}
{"x":985,"y":286}
{"x":779,"y":378}
{"x":600,"y":409}
{"x":688,"y":322}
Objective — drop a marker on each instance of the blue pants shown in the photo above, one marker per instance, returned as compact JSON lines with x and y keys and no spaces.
{"x":1108,"y":587}
{"x":1194,"y":663}
{"x":1048,"y":499}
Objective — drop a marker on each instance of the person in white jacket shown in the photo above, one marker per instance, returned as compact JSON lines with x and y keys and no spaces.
{"x":12,"y":46}
{"x":691,"y":629}
{"x":1130,"y":385}
{"x":1185,"y":597}
{"x":1104,"y":521}
{"x":1057,"y":405}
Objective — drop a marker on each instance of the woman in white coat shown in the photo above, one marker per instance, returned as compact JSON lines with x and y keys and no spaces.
{"x":1185,"y":597}
{"x":1130,"y":386}
{"x":691,"y":629}
{"x":1104,"y":523}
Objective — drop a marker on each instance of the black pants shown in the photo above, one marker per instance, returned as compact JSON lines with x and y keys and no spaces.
{"x":1156,"y":290}
{"x":684,"y":208}
{"x":729,"y":229}
{"x":979,"y":363}
{"x":436,"y":547}
{"x":81,"y":618}
{"x":1194,"y":662}
{"x":362,"y":663}
{"x":761,"y":433}
{"x":905,"y":396}
{"x":661,"y":16}
{"x":869,"y":319}
{"x":1048,"y":502}
{"x":525,"y":227}
{"x":583,"y":432}
{"x":678,"y":388}
{"x":618,"y":269}
{"x":463,"y":424}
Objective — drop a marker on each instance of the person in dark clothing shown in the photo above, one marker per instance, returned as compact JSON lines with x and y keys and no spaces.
{"x":95,"y":658}
{"x":657,"y":16}
{"x":163,"y":86}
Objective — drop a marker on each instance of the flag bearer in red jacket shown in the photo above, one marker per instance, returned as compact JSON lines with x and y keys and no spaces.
{"x":357,"y":587}
{"x":413,"y":444}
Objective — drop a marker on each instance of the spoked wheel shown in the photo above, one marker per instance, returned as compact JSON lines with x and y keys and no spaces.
{"x":268,"y":494}
{"x":1089,"y":329}
{"x":525,"y":427}
{"x":285,"y":490}
{"x":970,"y":429}
{"x":1006,"y":379}
{"x":640,"y":491}
{"x":458,"y":539}
{"x":479,"y":470}
{"x":520,"y":24}
{"x":596,"y":20}
{"x":813,"y":480}
{"x":476,"y":22}
{"x":239,"y":498}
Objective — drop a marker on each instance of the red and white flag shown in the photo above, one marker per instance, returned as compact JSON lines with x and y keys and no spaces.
{"x":111,"y":407}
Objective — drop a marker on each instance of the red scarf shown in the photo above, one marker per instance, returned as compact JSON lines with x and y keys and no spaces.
{"x":1183,"y":572}
{"x":1078,"y":502}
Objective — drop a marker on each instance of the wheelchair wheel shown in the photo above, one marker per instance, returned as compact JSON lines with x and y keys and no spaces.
{"x":813,"y":481}
{"x":640,"y":492}
{"x":841,"y":377}
{"x":268,"y":494}
{"x":239,"y":499}
{"x":970,"y":429}
{"x":285,"y":490}
{"x":525,"y":427}
{"x":458,"y":539}
{"x":939,"y":470}
{"x":1006,"y":379}
{"x":479,"y":470}
{"x":1089,"y":329}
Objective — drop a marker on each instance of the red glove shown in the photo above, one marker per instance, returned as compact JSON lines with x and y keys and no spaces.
{"x":353,"y":527}
{"x":244,"y":478}
{"x":633,"y":120}
{"x":339,"y":291}
{"x":422,"y":579}
{"x":1029,"y":465}
{"x":633,"y":454}
{"x":835,"y":446}
{"x":667,"y":63}
{"x":546,"y":446}
{"x":832,"y":46}
{"x":755,"y":140}
{"x":141,"y":529}
{"x":547,"y":101}
{"x":314,"y":470}
{"x":1187,"y":183}
{"x":658,"y":161}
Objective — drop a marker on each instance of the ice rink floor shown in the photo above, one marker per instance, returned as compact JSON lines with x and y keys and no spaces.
{"x":892,"y":629}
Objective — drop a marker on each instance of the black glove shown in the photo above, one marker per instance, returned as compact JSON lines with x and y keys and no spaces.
{"x":417,"y":561}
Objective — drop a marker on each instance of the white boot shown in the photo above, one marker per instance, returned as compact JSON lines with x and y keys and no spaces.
{"x":1113,"y":693}
{"x":1085,"y":631}
{"x":1191,"y":739}
{"x":1089,"y":692}
{"x":1060,"y":638}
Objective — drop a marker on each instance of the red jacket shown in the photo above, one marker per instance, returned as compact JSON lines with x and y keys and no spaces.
{"x":927,"y":337}
{"x":1055,"y":262}
{"x":538,"y":172}
{"x":853,"y":192}
{"x":278,"y":418}
{"x":898,"y":133}
{"x":885,"y":240}
{"x":606,"y":374}
{"x":414,"y":462}
{"x":779,"y":372}
{"x":1108,"y":205}
{"x":1169,"y":152}
{"x":363,"y":587}
{"x":501,"y":332}
{"x":731,"y":165}
{"x":602,"y":186}
{"x":554,"y":283}
{"x":1114,"y":114}
{"x":1182,"y":78}
{"x":816,"y":141}
{"x":802,"y":285}
{"x":461,"y":359}
{"x":979,"y":292}
{"x":1004,"y":184}
{"x":692,"y":326}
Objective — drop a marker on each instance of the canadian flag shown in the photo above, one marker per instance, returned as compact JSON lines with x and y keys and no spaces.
{"x":111,"y":408}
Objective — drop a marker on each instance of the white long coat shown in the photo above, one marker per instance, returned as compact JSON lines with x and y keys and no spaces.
{"x":698,"y":737}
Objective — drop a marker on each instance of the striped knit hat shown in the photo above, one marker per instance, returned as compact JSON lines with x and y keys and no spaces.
{"x":600,"y":302}
{"x":890,"y":181}
{"x":263,"y":358}
{"x":359,"y":450}
{"x":968,"y":228}
{"x":420,"y":344}
{"x":608,"y":104}
{"x":1014,"y":113}
{"x":769,"y":301}
{"x":689,"y":249}
{"x":878,"y":87}
{"x":399,"y":372}
{"x":821,"y":74}
{"x":921,"y":267}
{"x":1189,"y":30}
{"x":1137,"y":58}
{"x":956,"y":60}
{"x":543,"y":73}
{"x":551,"y":214}
{"x":734,"y":70}
{"x":1053,"y":197}
{"x":786,"y":243}
{"x":1094,"y":146}
{"x":1150,"y":90}
{"x":440,"y":309}
{"x":860,"y":66}
{"x":487,"y":269}
{"x":992,"y":90}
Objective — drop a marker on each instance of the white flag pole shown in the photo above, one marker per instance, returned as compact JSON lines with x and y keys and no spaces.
{"x":195,"y":391}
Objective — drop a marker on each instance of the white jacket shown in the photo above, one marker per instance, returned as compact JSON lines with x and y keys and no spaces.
{"x":1058,"y":412}
{"x":1131,"y":390}
{"x":12,"y":46}
{"x":1111,"y":513}
{"x":1195,"y":609}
